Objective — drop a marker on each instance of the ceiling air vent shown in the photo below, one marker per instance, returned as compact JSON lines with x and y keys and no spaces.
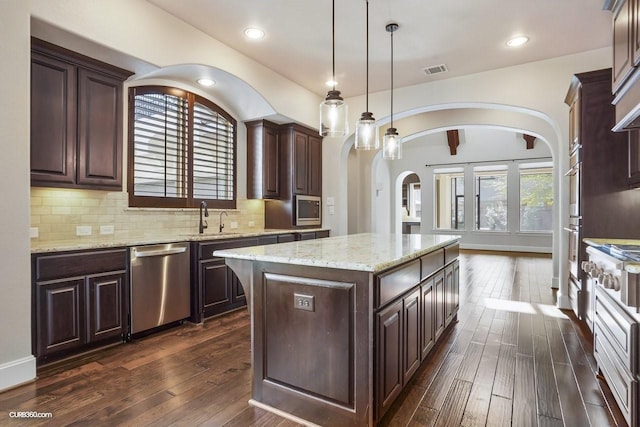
{"x":435,"y":69}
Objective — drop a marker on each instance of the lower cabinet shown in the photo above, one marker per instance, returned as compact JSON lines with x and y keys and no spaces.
{"x":389,"y":354}
{"x":221,"y":290}
{"x":80,"y":301}
{"x":407,"y":328}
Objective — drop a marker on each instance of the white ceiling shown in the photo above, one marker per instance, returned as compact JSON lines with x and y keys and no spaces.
{"x":468,"y":36}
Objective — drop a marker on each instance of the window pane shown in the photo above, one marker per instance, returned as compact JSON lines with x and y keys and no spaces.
{"x":536,"y":200}
{"x":491,"y":201}
{"x":449,"y":201}
{"x":159,"y":146}
{"x":213,"y":155}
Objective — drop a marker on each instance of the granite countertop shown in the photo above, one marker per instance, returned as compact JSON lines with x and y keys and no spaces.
{"x":361,"y":252}
{"x":630,"y":265}
{"x":102,"y":243}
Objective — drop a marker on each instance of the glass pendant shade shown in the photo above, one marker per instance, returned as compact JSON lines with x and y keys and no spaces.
{"x":333,"y":115}
{"x":391,"y":145}
{"x":366,"y":133}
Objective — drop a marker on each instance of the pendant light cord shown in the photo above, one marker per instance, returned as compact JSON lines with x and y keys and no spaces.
{"x":367,"y":97}
{"x":333,"y":41}
{"x":392,"y":79}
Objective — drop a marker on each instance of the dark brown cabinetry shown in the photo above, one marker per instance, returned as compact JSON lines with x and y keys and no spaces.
{"x":418,"y":301}
{"x":79,"y":301}
{"x":634,"y":159}
{"x":76,"y":119}
{"x":623,"y":42}
{"x":263,"y":160}
{"x":306,"y":156}
{"x":215,"y":289}
{"x":597,"y":176}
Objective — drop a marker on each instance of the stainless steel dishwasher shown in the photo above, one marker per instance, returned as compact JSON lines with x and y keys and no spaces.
{"x":160,"y":285}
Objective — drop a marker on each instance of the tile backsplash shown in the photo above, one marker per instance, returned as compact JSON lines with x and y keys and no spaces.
{"x":57,"y":212}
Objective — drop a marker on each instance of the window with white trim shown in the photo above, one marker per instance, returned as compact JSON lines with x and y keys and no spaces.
{"x":536,"y":197}
{"x":491,"y":198}
{"x":182,"y":150}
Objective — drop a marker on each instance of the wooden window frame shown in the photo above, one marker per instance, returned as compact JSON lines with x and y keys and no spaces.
{"x":178,"y":202}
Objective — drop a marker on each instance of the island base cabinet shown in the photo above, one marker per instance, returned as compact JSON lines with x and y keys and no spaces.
{"x":427,"y":332}
{"x":389,"y":356}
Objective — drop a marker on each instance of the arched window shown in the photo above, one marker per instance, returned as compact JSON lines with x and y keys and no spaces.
{"x":182,"y":150}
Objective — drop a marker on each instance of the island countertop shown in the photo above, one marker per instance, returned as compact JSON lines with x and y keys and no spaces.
{"x":358,"y":252}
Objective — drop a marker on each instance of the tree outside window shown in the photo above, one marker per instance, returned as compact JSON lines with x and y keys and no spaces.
{"x":536,"y":199}
{"x":491,"y":200}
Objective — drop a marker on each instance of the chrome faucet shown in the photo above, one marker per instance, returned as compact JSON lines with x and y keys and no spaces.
{"x":221,"y":224}
{"x":203,"y":223}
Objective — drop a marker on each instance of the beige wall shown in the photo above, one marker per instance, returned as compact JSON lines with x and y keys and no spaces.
{"x":16,"y":363}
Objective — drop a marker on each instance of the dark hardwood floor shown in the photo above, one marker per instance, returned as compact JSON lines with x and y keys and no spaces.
{"x":512,"y":359}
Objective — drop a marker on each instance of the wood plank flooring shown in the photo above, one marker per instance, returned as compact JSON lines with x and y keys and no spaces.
{"x":513,"y":359}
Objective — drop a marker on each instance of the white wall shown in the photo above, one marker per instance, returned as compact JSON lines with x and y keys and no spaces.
{"x":16,"y":363}
{"x":430,"y":152}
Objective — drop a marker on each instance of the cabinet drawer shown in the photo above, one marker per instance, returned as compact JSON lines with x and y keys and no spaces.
{"x":394,"y":283}
{"x":622,"y":385}
{"x":575,"y":295}
{"x":207,"y":249}
{"x":431,"y":263}
{"x":282,"y":238}
{"x":620,"y":329}
{"x":51,"y":267}
{"x":451,"y":252}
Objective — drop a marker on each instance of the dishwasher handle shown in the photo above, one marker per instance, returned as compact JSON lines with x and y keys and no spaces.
{"x":160,"y":252}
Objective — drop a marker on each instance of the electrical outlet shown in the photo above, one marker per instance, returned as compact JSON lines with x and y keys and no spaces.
{"x":303,"y":302}
{"x":332,"y":210}
{"x":83,"y":230}
{"x":33,"y":232}
{"x":234,"y":224}
{"x":331,"y":201}
{"x":107,"y":229}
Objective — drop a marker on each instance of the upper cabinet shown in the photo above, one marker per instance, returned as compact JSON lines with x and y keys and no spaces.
{"x":263,"y":160}
{"x":305,"y":154}
{"x":623,"y":36}
{"x":76,"y":119}
{"x":283,"y":161}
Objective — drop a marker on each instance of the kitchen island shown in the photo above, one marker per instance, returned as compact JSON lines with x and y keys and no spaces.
{"x":339,"y":325}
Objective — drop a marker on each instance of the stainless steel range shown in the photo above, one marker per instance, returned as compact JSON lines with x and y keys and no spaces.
{"x":613,"y":310}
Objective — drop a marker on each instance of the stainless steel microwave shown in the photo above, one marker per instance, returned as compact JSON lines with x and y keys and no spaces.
{"x":308,"y":210}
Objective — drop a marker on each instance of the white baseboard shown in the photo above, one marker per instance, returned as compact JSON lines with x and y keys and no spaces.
{"x":504,"y":248}
{"x":564,"y":302}
{"x":17,"y":372}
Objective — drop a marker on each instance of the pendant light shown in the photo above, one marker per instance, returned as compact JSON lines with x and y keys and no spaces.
{"x":366,"y":133}
{"x":392,"y":142}
{"x":333,"y":110}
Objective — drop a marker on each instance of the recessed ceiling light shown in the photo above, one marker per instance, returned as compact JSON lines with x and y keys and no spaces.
{"x":254,"y":33}
{"x":331,"y":83}
{"x":517,"y":41}
{"x":206,"y":82}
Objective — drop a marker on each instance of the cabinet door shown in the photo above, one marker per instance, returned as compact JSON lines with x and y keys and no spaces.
{"x":622,"y":43}
{"x":216,"y":295}
{"x":427,"y":332}
{"x":315,"y":166}
{"x":300,"y":163}
{"x":271,"y":165}
{"x":456,"y":287}
{"x":389,"y":356}
{"x":105,"y":302}
{"x":635,"y":30}
{"x":438,"y":286}
{"x":448,"y":294}
{"x":411,"y":336}
{"x":634,"y":158}
{"x":99,"y":130}
{"x":60,"y":316}
{"x":574,"y":125}
{"x":237,"y":291}
{"x":53,"y":120}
